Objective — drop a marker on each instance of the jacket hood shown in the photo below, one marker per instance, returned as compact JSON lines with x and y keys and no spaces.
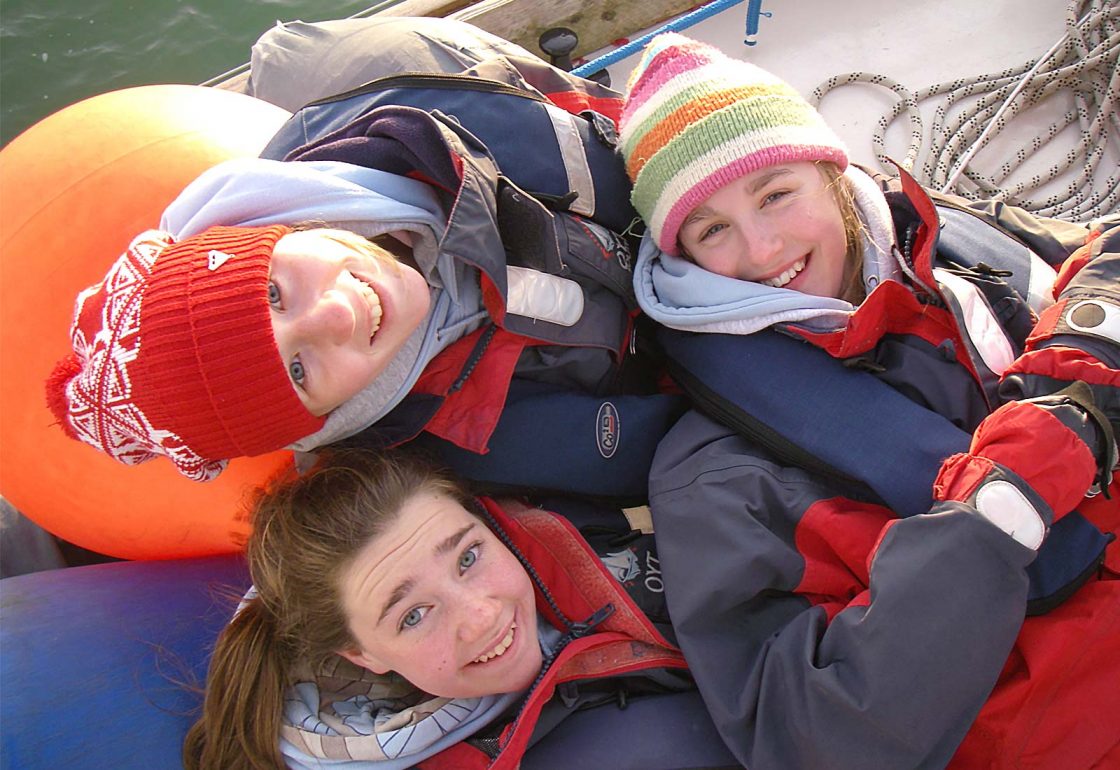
{"x":682,"y":295}
{"x":256,"y":192}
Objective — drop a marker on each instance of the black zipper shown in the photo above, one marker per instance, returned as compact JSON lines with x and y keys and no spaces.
{"x":431,"y":80}
{"x":573,"y":630}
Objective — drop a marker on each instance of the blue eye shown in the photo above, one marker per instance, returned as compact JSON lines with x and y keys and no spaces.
{"x":273,"y":294}
{"x":412,"y":618}
{"x":711,"y":231}
{"x":296,"y":371}
{"x":774,"y":197}
{"x":468,"y":557}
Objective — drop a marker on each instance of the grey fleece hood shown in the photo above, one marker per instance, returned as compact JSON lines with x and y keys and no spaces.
{"x":252,"y":192}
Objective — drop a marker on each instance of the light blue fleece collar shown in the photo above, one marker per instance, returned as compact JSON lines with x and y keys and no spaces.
{"x":682,"y":295}
{"x":255,"y":192}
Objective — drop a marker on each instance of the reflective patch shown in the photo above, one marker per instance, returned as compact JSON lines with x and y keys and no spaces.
{"x":1042,"y":278}
{"x":607,"y":430}
{"x":543,"y":296}
{"x":983,"y":329}
{"x":622,"y":564}
{"x":1095,"y":317}
{"x":1001,"y":503}
{"x":575,"y":159}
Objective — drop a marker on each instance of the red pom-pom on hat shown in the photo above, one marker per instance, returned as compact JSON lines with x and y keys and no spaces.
{"x":57,"y":400}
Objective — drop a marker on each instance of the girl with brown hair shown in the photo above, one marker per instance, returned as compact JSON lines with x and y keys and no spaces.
{"x":394,"y":615}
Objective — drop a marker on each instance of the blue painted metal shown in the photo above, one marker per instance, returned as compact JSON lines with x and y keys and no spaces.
{"x":676,"y":25}
{"x":754,"y":11}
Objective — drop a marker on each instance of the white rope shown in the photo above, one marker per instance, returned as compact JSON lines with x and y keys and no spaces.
{"x":1083,"y":64}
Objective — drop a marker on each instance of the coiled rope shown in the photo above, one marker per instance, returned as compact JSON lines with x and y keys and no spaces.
{"x":1083,"y":63}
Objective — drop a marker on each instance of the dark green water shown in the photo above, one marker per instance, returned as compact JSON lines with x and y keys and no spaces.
{"x":57,"y":52}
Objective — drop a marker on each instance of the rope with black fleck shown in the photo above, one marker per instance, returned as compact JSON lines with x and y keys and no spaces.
{"x":1082,"y":64}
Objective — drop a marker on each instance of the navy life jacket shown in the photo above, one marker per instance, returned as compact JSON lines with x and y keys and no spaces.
{"x":563,"y":207}
{"x":552,"y":134}
{"x":852,"y":428}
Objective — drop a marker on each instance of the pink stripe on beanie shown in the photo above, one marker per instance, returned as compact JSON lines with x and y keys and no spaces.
{"x":695,"y":120}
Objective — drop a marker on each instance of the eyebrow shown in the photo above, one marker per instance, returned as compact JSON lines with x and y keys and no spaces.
{"x":765,"y":179}
{"x":442,"y":548}
{"x":701,"y":211}
{"x":454,"y":540}
{"x":697,"y":213}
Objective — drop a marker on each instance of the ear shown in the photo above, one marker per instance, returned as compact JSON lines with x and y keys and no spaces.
{"x":364,"y":660}
{"x":404,"y":236}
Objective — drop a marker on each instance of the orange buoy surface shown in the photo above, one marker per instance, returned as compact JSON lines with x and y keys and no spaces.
{"x":74,"y":189}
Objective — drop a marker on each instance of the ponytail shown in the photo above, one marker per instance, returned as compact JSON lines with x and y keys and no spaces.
{"x":306,"y":529}
{"x":245,"y":687}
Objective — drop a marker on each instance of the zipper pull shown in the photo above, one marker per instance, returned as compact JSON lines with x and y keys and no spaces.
{"x":576,"y":630}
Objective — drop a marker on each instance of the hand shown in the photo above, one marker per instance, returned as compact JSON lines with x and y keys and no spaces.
{"x":1031,"y":462}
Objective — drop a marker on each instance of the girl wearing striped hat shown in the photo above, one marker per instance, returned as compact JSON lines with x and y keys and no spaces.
{"x":825,"y":623}
{"x":755,"y":216}
{"x":738,"y":177}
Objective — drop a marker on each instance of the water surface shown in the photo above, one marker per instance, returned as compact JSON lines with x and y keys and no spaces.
{"x":56,"y":52}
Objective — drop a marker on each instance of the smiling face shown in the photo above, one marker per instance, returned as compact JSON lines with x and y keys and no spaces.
{"x":438,"y":599}
{"x":780,"y":226}
{"x":340,"y":313}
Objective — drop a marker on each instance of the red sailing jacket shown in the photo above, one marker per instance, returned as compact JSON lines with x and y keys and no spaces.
{"x":607,"y":635}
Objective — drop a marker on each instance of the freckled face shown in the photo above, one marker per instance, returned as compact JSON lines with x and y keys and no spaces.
{"x":339,"y":315}
{"x":779,"y":226}
{"x":441,"y":601}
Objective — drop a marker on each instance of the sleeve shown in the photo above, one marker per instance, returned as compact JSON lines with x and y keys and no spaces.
{"x":824,"y":632}
{"x":1078,"y":337}
{"x":1052,"y":239}
{"x":295,"y":63}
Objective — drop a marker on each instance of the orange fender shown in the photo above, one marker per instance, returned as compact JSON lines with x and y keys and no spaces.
{"x":74,"y":189}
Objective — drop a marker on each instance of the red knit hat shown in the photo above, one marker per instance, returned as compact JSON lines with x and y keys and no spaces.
{"x":174,"y":355}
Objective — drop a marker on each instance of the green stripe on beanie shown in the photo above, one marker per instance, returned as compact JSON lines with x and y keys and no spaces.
{"x":679,"y":136}
{"x":745,"y":127}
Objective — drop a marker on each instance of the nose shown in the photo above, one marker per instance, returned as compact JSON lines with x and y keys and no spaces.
{"x":478,"y":616}
{"x":330,"y":319}
{"x":762,"y":249}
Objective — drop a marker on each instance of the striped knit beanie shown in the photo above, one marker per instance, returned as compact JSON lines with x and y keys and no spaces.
{"x":695,"y":119}
{"x":174,"y":355}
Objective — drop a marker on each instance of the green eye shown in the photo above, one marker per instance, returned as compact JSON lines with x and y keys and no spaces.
{"x":468,"y":558}
{"x":295,"y":370}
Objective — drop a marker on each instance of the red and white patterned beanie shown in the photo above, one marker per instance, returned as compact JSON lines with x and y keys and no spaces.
{"x":174,"y":355}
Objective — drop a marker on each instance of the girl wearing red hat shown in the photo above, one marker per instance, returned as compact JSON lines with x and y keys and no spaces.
{"x":229,"y":333}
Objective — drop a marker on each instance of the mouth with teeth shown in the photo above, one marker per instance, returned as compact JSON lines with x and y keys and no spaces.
{"x":372,"y":301}
{"x":499,"y":648}
{"x":779,"y":281}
